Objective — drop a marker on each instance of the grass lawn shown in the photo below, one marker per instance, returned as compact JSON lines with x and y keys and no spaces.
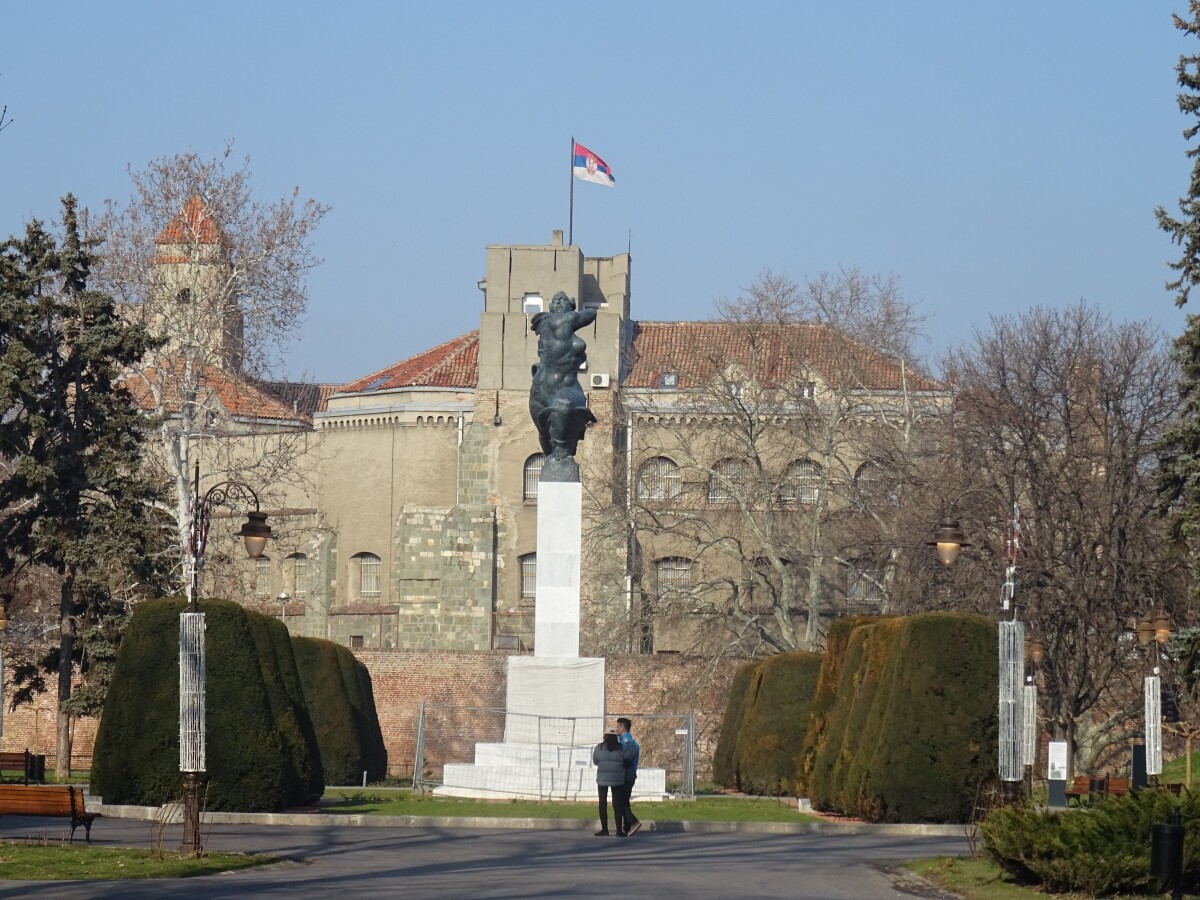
{"x":372,"y":801}
{"x":57,"y":862}
{"x":975,"y":879}
{"x":1175,"y":769}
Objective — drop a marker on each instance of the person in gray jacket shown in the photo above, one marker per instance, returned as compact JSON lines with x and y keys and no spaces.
{"x":610,"y":759}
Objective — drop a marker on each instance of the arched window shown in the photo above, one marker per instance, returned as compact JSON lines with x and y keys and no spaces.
{"x":871,"y":482}
{"x":658,"y":479}
{"x":533,"y":471}
{"x":370,"y":575}
{"x":801,"y":482}
{"x":262,"y":577}
{"x":528,"y":576}
{"x":726,"y":481}
{"x":297,"y":581}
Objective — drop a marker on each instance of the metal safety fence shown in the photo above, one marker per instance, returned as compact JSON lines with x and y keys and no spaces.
{"x":524,"y":755}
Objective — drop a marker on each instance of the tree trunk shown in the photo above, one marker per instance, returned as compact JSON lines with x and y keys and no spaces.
{"x":66,"y":647}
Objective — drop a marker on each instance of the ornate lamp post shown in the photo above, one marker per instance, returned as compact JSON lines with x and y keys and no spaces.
{"x":948,"y":540}
{"x":255,"y":533}
{"x":1150,"y":631}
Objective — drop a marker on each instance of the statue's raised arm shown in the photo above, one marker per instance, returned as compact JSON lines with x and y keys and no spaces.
{"x":556,"y":400}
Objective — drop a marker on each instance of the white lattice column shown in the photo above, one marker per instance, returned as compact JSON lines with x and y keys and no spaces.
{"x":1012,"y":678}
{"x":1153,"y":701}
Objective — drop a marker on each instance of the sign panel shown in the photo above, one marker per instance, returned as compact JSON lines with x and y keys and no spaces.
{"x":1057,"y":761}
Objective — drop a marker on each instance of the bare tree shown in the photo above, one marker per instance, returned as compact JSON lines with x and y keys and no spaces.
{"x":763,"y":489}
{"x":221,"y":276}
{"x":1070,"y":406}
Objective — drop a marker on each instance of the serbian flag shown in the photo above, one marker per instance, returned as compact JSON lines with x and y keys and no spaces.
{"x":590,"y":167}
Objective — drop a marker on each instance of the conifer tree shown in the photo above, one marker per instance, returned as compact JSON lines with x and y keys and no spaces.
{"x":76,"y":501}
{"x":1178,"y":477}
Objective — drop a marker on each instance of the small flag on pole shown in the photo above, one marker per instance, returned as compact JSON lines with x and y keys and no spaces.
{"x":590,"y":167}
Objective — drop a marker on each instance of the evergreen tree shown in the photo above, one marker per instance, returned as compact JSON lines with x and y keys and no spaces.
{"x":1178,"y":477}
{"x":76,"y":502}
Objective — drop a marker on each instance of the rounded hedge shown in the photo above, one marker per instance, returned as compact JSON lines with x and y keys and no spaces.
{"x":337,"y":690}
{"x":251,"y":766}
{"x":775,"y":721}
{"x":724,"y":771}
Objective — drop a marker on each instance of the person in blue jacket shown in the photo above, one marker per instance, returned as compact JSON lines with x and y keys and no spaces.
{"x":631,"y":823}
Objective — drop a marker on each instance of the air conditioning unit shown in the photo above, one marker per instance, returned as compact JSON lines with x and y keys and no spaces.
{"x":599,"y":379}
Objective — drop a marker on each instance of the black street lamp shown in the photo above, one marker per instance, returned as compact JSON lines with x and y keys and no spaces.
{"x":255,"y":534}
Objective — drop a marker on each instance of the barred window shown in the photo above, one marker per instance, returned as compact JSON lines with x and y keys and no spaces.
{"x":801,"y":483}
{"x":533,"y":471}
{"x":726,"y":480}
{"x":659,"y":479}
{"x":528,"y":576}
{"x":869,"y":477}
{"x":262,"y":577}
{"x":863,"y":586}
{"x":356,"y":642}
{"x":673,"y":574}
{"x":370,"y":575}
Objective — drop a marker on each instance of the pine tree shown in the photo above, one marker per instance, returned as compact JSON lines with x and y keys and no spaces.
{"x":1178,"y":477}
{"x":1185,"y":231}
{"x":76,"y":502}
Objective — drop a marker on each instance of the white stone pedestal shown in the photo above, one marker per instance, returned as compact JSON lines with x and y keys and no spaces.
{"x":559,"y":540}
{"x":555,"y":712}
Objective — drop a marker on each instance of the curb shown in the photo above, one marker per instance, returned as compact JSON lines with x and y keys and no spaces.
{"x":313,"y":820}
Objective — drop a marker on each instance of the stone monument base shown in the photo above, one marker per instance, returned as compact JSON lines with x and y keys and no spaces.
{"x":555,"y":716}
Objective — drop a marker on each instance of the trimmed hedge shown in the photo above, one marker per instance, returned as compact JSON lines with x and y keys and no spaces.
{"x":1100,"y":852}
{"x":912,"y":731}
{"x":774,"y":723}
{"x":836,"y":643}
{"x":724,"y":771}
{"x":337,"y":690}
{"x":301,"y":753}
{"x":936,"y":720}
{"x":136,"y":754}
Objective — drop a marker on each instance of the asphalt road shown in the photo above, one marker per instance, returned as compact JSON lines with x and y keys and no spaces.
{"x":473,"y":864}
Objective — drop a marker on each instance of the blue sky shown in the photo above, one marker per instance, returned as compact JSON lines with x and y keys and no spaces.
{"x":993,"y":157}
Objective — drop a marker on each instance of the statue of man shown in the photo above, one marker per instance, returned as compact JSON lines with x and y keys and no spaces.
{"x":556,"y":400}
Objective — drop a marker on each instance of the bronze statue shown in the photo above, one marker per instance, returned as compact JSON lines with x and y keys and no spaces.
{"x":556,"y":400}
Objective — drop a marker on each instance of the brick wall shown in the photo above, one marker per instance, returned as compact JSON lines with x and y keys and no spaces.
{"x":401,"y":679}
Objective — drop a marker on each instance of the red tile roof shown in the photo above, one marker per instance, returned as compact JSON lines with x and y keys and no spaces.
{"x":238,"y":397}
{"x":194,"y":225}
{"x":304,"y":396}
{"x":700,"y":351}
{"x":454,"y":364}
{"x":696,"y":351}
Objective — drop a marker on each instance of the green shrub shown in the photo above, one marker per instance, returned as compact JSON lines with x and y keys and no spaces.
{"x":136,"y":753}
{"x":303,"y":775}
{"x":870,"y":698}
{"x":775,"y":720}
{"x":827,"y":759}
{"x":337,"y":690}
{"x":836,"y":642}
{"x":1100,"y":852}
{"x":724,"y":772}
{"x":935,"y":718}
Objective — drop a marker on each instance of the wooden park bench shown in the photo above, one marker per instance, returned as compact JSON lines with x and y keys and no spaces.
{"x":56,"y":800}
{"x":20,"y":760}
{"x":1081,"y":786}
{"x":1116,"y":787}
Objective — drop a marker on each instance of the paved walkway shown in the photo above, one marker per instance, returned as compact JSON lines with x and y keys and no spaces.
{"x":416,"y":862}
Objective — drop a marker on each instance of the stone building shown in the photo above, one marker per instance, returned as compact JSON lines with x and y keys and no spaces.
{"x":415,"y":525}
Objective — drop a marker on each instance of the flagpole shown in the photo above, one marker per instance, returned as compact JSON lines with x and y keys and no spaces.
{"x":571,"y":217}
